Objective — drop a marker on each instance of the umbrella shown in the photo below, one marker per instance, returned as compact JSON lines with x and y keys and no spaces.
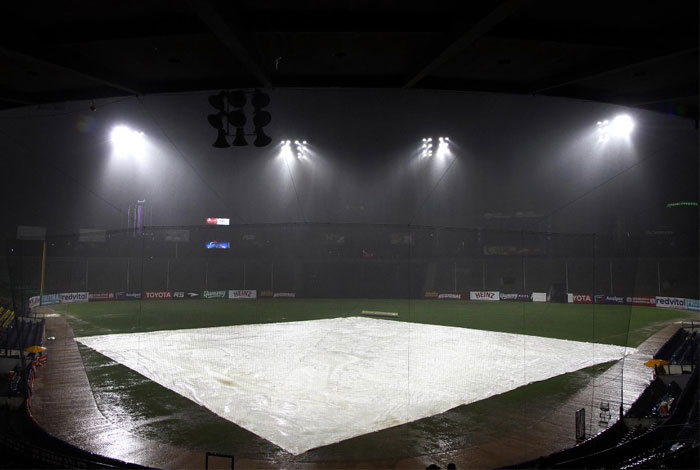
{"x":656,"y":363}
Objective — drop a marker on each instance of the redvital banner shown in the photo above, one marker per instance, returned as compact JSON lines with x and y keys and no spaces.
{"x":582,"y":298}
{"x":670,"y":302}
{"x":73,"y":298}
{"x":158,"y":295}
{"x":242,"y":294}
{"x":642,"y":300}
{"x":100,"y":296}
{"x":484,"y":295}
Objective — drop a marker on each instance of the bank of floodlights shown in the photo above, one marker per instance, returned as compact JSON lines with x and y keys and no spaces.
{"x":620,"y":126}
{"x":127,"y":142}
{"x":231,"y":114}
{"x":427,"y":146}
{"x":301,"y":150}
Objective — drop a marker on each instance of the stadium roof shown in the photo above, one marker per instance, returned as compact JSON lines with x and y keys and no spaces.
{"x":640,"y":54}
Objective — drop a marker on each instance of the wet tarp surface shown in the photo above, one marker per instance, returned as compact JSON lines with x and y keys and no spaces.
{"x":307,"y":384}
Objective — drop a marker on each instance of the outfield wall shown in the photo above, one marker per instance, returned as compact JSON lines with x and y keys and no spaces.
{"x":677,"y":303}
{"x":366,"y":278}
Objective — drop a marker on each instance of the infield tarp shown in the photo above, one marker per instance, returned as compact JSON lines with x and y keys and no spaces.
{"x":307,"y":384}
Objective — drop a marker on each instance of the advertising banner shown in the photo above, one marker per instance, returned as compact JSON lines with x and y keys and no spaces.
{"x":539,"y":296}
{"x":127,"y":295}
{"x":430,"y":294}
{"x":214,"y":294}
{"x":182,"y":295}
{"x":218,"y":245}
{"x":692,"y":304}
{"x":176,"y":235}
{"x":100,"y":296}
{"x":158,"y":295}
{"x":508,"y":297}
{"x":73,"y":298}
{"x":285,"y":295}
{"x":242,"y":294}
{"x":266,"y":294}
{"x":581,"y":298}
{"x":92,"y":235}
{"x":670,"y":302}
{"x":34,"y":301}
{"x":218,"y":221}
{"x":450,"y":296}
{"x":27,"y":232}
{"x":49,"y":299}
{"x":599,"y":298}
{"x":484,"y":295}
{"x":615,"y":300}
{"x":642,"y":300}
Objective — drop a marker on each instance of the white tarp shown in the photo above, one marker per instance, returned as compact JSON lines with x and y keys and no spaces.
{"x":307,"y":384}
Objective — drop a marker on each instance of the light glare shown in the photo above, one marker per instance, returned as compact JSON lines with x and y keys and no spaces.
{"x":622,"y":125}
{"x":127,"y":142}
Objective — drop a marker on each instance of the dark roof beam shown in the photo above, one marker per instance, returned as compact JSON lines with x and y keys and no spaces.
{"x":224,"y":33}
{"x":73,"y":65}
{"x":479,"y":29}
{"x":590,"y":37}
{"x":561,"y":82}
{"x":133,"y":28}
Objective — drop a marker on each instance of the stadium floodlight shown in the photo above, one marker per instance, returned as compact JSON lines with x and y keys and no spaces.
{"x":301,"y":149}
{"x":126,"y":141}
{"x":426,"y":147}
{"x":621,"y":126}
{"x":443,"y":146}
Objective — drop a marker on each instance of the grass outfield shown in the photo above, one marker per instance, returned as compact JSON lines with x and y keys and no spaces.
{"x":610,"y":324}
{"x":145,"y":408}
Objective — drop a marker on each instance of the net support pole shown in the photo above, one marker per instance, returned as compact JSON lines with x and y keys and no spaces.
{"x":455,"y":273}
{"x":43,"y":269}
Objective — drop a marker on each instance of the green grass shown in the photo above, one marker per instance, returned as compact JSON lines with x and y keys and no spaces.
{"x":148,"y":409}
{"x":608,"y":324}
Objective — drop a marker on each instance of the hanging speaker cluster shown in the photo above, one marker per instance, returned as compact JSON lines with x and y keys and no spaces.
{"x":231,"y":115}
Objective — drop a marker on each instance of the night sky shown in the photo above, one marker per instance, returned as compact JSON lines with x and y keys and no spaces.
{"x":508,"y":154}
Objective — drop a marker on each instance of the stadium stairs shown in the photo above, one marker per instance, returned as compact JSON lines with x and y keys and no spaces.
{"x":660,"y":430}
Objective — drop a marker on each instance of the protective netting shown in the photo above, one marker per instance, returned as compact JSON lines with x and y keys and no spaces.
{"x":308,"y":384}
